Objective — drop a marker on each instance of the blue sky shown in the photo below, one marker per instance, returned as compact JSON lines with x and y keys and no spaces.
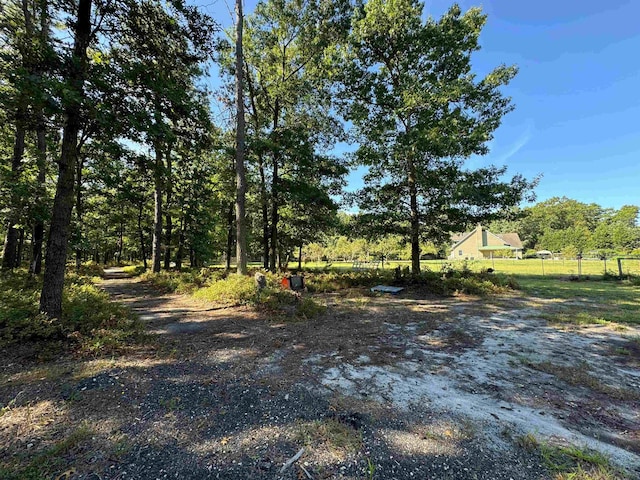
{"x":577,"y":97}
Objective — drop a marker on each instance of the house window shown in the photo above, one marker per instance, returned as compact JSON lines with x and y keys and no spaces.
{"x":460,"y":253}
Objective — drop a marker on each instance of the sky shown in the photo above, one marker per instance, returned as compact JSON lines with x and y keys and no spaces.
{"x":577,"y":98}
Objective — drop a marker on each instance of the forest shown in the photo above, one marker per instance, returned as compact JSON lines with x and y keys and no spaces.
{"x":114,"y":150}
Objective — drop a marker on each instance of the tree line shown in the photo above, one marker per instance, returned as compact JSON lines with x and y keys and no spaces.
{"x":571,"y":227}
{"x":110,"y":149}
{"x":560,"y":225}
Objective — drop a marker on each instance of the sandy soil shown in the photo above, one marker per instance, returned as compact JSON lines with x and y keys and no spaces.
{"x":381,"y":387}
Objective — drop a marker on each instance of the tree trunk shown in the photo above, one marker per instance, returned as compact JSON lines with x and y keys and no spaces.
{"x":229,"y":237}
{"x":11,"y":240}
{"x":20,"y":247}
{"x":56,"y":259}
{"x":264,"y":200}
{"x":79,"y":209}
{"x":273,"y":256}
{"x":121,"y":236}
{"x":169,"y":226}
{"x":265,"y":213}
{"x":143,"y":250}
{"x":241,"y":181}
{"x":415,"y":220}
{"x":180,"y":250}
{"x":38,"y":226}
{"x":300,"y":258}
{"x":157,"y":218}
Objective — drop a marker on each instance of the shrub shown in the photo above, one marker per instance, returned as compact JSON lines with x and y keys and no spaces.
{"x":90,"y":269}
{"x":186,"y":281}
{"x":235,"y":290}
{"x":134,"y":270}
{"x":325,"y":282}
{"x":90,"y":321}
{"x":242,"y":290}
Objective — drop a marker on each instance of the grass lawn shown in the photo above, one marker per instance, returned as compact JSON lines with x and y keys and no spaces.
{"x":586,"y":301}
{"x":532,"y":266}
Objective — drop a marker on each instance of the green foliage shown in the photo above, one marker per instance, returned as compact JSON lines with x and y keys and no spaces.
{"x":90,"y":322}
{"x":324,"y":282}
{"x":90,"y":269}
{"x":234,"y":290}
{"x":134,"y":270}
{"x":449,"y":281}
{"x":419,"y":113}
{"x":186,"y":281}
{"x":465,"y":281}
{"x":560,"y":224}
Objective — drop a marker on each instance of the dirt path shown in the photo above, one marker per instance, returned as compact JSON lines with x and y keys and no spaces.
{"x":379,"y":387}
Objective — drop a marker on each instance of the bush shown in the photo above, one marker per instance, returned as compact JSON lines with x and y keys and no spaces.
{"x":90,"y":269}
{"x":186,"y":281}
{"x":242,"y":290}
{"x":134,"y":270}
{"x":235,"y":290}
{"x":89,"y":322}
{"x":325,"y":282}
{"x":446,"y":282}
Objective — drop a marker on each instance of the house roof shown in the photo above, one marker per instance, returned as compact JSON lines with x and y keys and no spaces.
{"x":512,"y":239}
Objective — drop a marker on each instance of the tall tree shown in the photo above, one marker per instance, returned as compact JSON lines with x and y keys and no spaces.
{"x":419,"y":111}
{"x":241,"y":181}
{"x":291,"y":119}
{"x":75,"y":75}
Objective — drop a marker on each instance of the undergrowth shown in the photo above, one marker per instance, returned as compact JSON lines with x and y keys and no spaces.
{"x":183,"y":281}
{"x":242,"y":290}
{"x":572,"y":463}
{"x":90,"y":322}
{"x":446,"y":282}
{"x":134,"y":270}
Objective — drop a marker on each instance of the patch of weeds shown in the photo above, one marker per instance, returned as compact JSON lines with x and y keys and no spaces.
{"x":578,"y":375}
{"x":622,"y":351}
{"x":528,"y":442}
{"x":90,"y":321}
{"x":183,"y":281}
{"x":121,"y":447}
{"x":333,"y":434}
{"x":577,"y":318}
{"x":308,"y":308}
{"x":242,"y":290}
{"x":134,"y":270}
{"x":371,"y":469}
{"x":233,"y":290}
{"x":43,"y":464}
{"x":571,"y":463}
{"x":170,"y":404}
{"x":326,"y":282}
{"x":459,"y":337}
{"x":90,"y":269}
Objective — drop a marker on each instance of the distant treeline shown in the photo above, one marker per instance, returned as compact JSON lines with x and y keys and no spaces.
{"x":560,"y":225}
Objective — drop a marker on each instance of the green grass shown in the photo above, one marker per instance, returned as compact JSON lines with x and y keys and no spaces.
{"x":586,"y":302}
{"x":570,"y":462}
{"x":530,"y":266}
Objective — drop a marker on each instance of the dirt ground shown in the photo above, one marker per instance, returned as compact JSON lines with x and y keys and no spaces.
{"x":386,"y":387}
